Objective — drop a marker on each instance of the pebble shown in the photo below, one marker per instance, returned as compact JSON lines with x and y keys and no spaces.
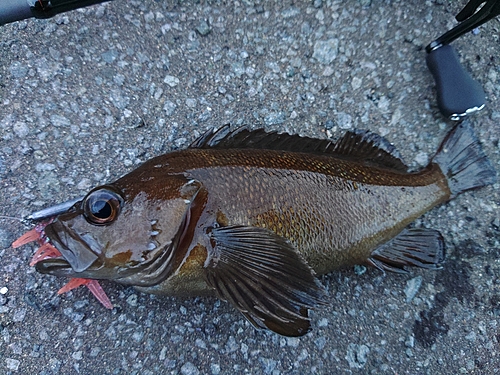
{"x":412,"y":287}
{"x":275,"y":118}
{"x":169,"y":108}
{"x":231,"y":345}
{"x":268,"y":364}
{"x":359,"y":269}
{"x":422,"y":159}
{"x":325,"y":51}
{"x":18,"y":70}
{"x":344,"y":120}
{"x":191,"y":103}
{"x":109,"y":56}
{"x":60,"y":121}
{"x":357,"y":355}
{"x":189,"y":369}
{"x":215,"y":368}
{"x":203,"y":28}
{"x":171,"y":80}
{"x":132,"y":300}
{"x":19,"y":315}
{"x":77,"y":356}
{"x":21,"y":129}
{"x":12,"y":364}
{"x":323,"y":322}
{"x":356,"y":83}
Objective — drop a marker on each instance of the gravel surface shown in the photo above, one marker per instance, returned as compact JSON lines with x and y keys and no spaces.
{"x":89,"y":95}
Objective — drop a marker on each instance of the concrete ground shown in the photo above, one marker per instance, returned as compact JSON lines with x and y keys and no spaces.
{"x":89,"y":95}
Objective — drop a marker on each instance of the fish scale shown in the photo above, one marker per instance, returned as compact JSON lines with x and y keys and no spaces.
{"x":333,"y":218}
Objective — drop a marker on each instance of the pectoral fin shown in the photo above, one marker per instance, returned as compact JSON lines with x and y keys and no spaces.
{"x":264,"y":277}
{"x":420,"y":247}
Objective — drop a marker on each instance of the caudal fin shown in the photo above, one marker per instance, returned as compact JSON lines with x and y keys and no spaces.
{"x":463,"y":161}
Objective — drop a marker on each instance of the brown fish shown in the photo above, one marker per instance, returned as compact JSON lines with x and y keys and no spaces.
{"x":255,"y":216}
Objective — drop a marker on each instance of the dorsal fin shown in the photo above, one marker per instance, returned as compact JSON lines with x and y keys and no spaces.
{"x":243,"y":137}
{"x":370,"y":147}
{"x":360,"y":145}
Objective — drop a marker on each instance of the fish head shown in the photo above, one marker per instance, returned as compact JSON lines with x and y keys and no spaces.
{"x":119,"y":232}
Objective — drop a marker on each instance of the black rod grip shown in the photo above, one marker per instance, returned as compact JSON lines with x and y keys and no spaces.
{"x":458,"y":94}
{"x":14,"y":10}
{"x":17,"y":10}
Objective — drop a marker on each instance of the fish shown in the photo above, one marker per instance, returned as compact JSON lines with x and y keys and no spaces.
{"x":256,"y":217}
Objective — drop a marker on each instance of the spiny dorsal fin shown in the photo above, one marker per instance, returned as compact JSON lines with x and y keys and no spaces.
{"x":259,"y":139}
{"x":370,"y":147}
{"x":360,"y":145}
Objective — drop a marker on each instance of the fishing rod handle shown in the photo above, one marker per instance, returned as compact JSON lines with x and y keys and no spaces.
{"x":458,"y":94}
{"x":17,"y":10}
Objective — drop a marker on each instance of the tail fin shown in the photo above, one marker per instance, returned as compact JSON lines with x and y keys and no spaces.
{"x":463,"y":161}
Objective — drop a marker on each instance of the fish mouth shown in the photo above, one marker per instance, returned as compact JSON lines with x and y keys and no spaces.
{"x":82,"y":258}
{"x":77,"y":253}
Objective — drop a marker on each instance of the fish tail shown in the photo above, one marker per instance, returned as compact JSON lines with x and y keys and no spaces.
{"x":463,"y":161}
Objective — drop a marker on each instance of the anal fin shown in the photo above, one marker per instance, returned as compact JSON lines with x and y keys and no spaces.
{"x":419,"y":247}
{"x":264,"y":277}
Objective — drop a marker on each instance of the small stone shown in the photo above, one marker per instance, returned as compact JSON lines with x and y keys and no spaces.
{"x":191,"y":103}
{"x":268,"y":365}
{"x":44,"y":167}
{"x":422,"y":158}
{"x":77,"y":355}
{"x":412,"y":287}
{"x":4,"y":290}
{"x":325,"y":51}
{"x":171,"y":81}
{"x":19,"y":315}
{"x":200,"y":343}
{"x":132,"y":300}
{"x":231,"y":345}
{"x":215,"y":368}
{"x":275,"y":118}
{"x":12,"y":364}
{"x":356,"y":83}
{"x":169,"y":108}
{"x":18,"y":70}
{"x":109,"y":56}
{"x":357,"y":355}
{"x":344,"y":120}
{"x":189,"y":369}
{"x":410,"y":343}
{"x":329,"y":124}
{"x":323,"y":322}
{"x":203,"y":28}
{"x":21,"y":129}
{"x":60,"y":121}
{"x":320,"y":342}
{"x":471,"y":336}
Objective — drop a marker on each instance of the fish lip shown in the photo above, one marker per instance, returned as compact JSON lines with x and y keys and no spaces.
{"x":73,"y":247}
{"x":55,"y":266}
{"x":77,"y":255}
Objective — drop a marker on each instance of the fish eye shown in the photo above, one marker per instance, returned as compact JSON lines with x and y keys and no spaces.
{"x":102,"y":207}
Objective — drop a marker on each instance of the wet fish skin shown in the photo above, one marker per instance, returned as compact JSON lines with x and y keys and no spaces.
{"x":255,"y":216}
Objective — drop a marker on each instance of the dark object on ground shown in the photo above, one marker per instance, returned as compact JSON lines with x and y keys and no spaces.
{"x":458,"y":93}
{"x":17,"y":10}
